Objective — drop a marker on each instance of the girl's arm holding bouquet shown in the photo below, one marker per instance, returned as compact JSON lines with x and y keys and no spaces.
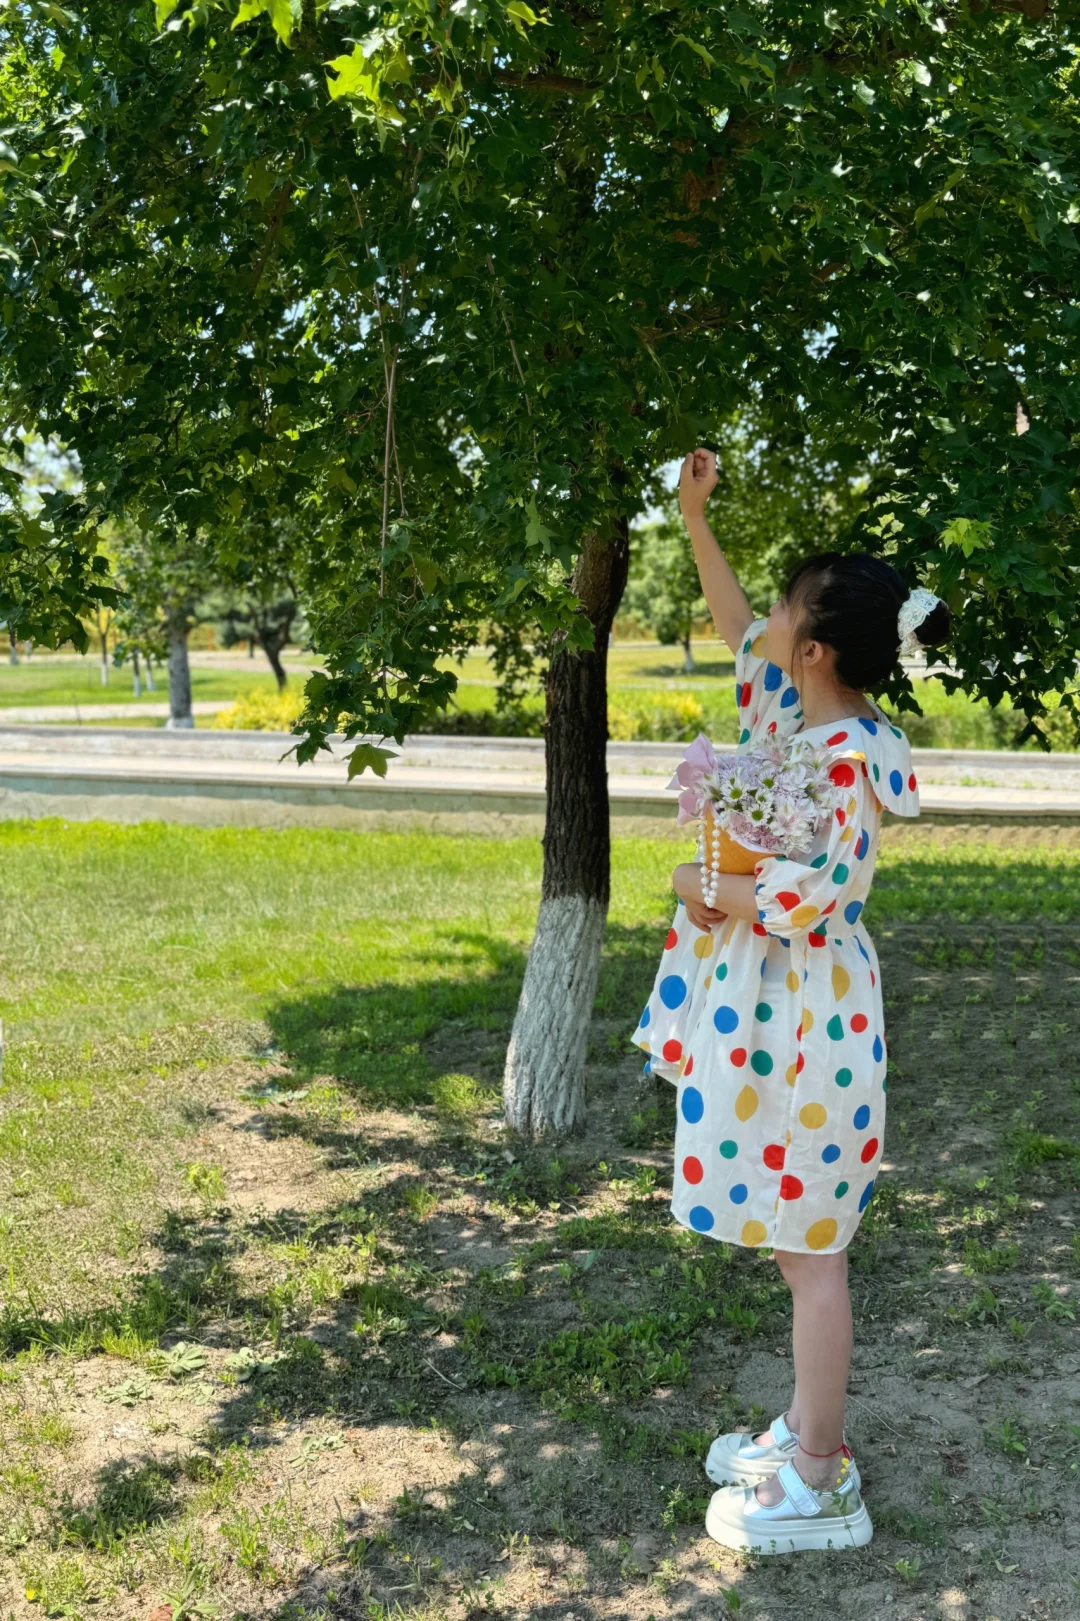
{"x":734,"y":896}
{"x":730,"y":611}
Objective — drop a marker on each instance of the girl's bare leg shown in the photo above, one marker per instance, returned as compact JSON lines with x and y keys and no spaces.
{"x":821,"y":1345}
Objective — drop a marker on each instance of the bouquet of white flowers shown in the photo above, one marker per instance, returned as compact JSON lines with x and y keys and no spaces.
{"x":770,"y":801}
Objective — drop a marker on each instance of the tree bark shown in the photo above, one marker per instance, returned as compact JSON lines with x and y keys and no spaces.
{"x":180,"y":715}
{"x":688,"y":658}
{"x":274,"y":660}
{"x":544,"y":1078}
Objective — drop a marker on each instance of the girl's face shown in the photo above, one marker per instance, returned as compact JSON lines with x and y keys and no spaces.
{"x":779,"y":639}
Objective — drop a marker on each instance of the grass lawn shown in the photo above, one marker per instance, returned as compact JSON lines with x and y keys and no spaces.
{"x":289,"y":1329}
{"x":78,"y":681}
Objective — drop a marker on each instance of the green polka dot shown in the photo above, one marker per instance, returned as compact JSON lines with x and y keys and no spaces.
{"x":877,"y":773}
{"x":819,"y":861}
{"x":761,"y":1063}
{"x":841,"y":1189}
{"x":721,"y":972}
{"x":746,"y":645}
{"x":763,"y":1013}
{"x":885,"y":1084}
{"x":841,"y":875}
{"x":729,"y":1149}
{"x":744,"y":735}
{"x":896,"y":732}
{"x":843,"y":1077}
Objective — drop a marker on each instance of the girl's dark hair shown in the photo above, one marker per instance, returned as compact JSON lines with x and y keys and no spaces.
{"x":850,"y":601}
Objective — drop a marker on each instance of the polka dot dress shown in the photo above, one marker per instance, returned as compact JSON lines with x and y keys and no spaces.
{"x":773,"y":1031}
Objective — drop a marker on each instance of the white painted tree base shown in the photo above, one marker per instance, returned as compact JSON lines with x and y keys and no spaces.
{"x":544,"y":1080}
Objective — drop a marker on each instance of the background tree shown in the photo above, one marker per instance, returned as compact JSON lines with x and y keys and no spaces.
{"x":455,"y":313}
{"x":663,"y":592}
{"x":167,"y":582}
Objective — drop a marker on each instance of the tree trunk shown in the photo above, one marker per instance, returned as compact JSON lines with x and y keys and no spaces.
{"x":272,"y":651}
{"x":13,"y":648}
{"x":149,"y":674}
{"x":136,"y":683}
{"x":544,"y":1080}
{"x":180,"y":715}
{"x":688,"y":658}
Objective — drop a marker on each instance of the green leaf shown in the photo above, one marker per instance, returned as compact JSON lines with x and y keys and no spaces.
{"x":369,"y":757}
{"x":969,"y":534}
{"x":163,"y":9}
{"x":284,"y":15}
{"x":536,"y":531}
{"x":696,"y":45}
{"x":522,"y":14}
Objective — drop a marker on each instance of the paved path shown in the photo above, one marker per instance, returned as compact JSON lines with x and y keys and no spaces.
{"x":91,"y":713}
{"x":217,"y":777}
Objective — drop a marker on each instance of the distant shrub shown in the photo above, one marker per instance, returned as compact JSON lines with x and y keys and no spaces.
{"x":663,"y":717}
{"x":261,"y":712}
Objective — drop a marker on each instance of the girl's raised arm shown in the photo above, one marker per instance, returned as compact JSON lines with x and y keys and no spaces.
{"x":730,"y":611}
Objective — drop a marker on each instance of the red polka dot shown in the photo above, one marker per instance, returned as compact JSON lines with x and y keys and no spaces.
{"x":825,"y":910}
{"x":788,"y":899}
{"x":672,"y":1051}
{"x":745,"y":696}
{"x":689,"y":1065}
{"x":869,"y":1150}
{"x":911,"y":782}
{"x":840,"y":816}
{"x":873,"y":977}
{"x":858,"y":1023}
{"x":772,"y":726}
{"x":842,"y":774}
{"x":816,"y":939}
{"x":672,"y":940}
{"x":753,"y":723}
{"x":738,"y":1057}
{"x":759,"y":928}
{"x":799,"y":1062}
{"x":692,"y":1168}
{"x":790,"y":1187}
{"x":837,"y":737}
{"x":798,"y":1033}
{"x":774,"y":1156}
{"x":864,"y":770}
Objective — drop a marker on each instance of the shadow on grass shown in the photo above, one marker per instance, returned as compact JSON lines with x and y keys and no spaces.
{"x":559,"y":1345}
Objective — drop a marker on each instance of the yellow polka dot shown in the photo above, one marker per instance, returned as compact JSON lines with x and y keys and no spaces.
{"x":644,"y":1045}
{"x":746,"y":1103}
{"x":851,"y":807}
{"x":848,"y":833}
{"x":807,"y":1021}
{"x":841,"y":981}
{"x":791,"y":980}
{"x":682,"y":1064}
{"x":708,"y":981}
{"x":753,"y":1232}
{"x":757,"y":646}
{"x":731,"y":931}
{"x":704,"y":946}
{"x":803,"y":914}
{"x":790,"y":1074}
{"x":813,"y":1115}
{"x":821,"y":1233}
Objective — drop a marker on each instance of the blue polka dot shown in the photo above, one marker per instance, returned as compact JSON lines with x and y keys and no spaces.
{"x":645,"y":1017}
{"x":725,"y":1019}
{"x":851,"y":913}
{"x":863,"y":844}
{"x":868,"y":726}
{"x":896,"y":782}
{"x":879,"y":1051}
{"x":692,"y":1105}
{"x":789,"y":697}
{"x":862,"y":948}
{"x":862,"y":1117}
{"x":831,"y":1153}
{"x":738,"y":1193}
{"x":761,"y":915}
{"x":673,"y":990}
{"x":738,"y":694}
{"x":774,"y":677}
{"x":865,"y":1200}
{"x":701,"y":1218}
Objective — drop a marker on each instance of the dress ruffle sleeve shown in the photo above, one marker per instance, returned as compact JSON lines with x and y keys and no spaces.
{"x":797,"y":898}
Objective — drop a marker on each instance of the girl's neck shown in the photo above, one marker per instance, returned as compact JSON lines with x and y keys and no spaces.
{"x":822,"y":704}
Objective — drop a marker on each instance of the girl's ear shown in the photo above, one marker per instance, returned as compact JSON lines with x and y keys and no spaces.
{"x":812,"y":654}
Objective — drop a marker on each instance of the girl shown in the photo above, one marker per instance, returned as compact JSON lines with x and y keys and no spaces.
{"x":766,"y":1012}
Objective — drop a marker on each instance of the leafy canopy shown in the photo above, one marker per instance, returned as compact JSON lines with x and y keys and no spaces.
{"x":447,"y":285}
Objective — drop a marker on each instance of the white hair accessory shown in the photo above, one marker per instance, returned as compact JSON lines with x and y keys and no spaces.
{"x":920,"y":605}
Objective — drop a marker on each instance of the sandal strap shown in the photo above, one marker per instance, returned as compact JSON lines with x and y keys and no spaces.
{"x":798,"y":1492}
{"x":781,"y":1433}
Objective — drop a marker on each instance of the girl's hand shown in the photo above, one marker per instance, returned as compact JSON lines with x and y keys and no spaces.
{"x":697,"y":480}
{"x":686,"y":882}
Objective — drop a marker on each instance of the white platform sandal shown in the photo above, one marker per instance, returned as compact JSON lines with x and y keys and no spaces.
{"x":735,"y":1460}
{"x":804,"y":1517}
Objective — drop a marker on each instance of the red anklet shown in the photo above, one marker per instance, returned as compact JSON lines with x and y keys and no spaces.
{"x":845,"y":1449}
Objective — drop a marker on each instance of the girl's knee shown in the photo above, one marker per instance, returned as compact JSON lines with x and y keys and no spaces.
{"x":795,"y":1265}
